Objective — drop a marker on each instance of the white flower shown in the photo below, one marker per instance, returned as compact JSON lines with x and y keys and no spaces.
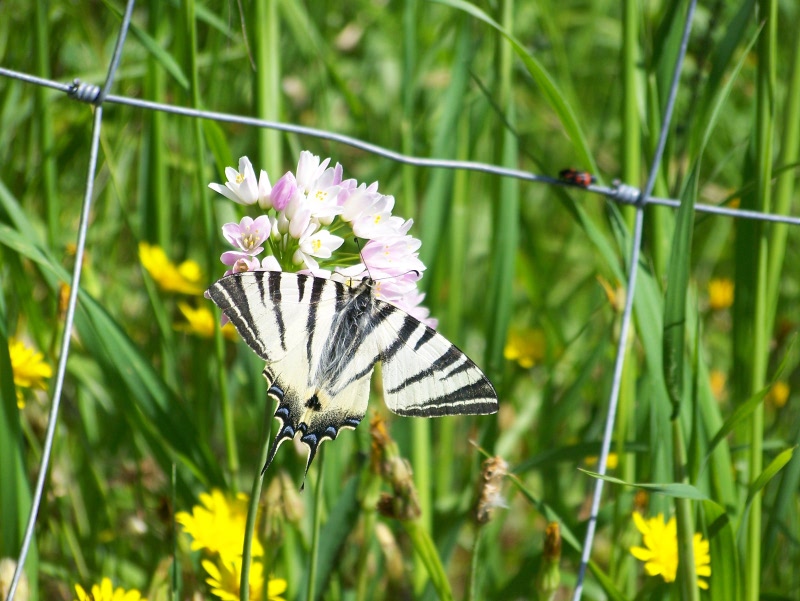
{"x":317,"y":189}
{"x":270,"y":263}
{"x":319,"y":244}
{"x":241,"y":186}
{"x":264,"y":191}
{"x":300,"y":223}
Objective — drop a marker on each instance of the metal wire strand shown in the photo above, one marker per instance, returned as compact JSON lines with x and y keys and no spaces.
{"x":618,"y":192}
{"x":83,"y":92}
{"x":626,"y":315}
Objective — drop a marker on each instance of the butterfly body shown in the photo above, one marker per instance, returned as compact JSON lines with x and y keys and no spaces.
{"x":321,"y":340}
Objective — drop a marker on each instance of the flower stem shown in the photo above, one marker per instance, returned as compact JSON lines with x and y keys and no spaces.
{"x":473,"y":572}
{"x":252,"y":512}
{"x":312,"y":571}
{"x":421,"y":454}
{"x":426,"y":550}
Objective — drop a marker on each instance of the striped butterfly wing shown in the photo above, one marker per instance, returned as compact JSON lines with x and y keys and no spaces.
{"x":426,"y":375}
{"x":321,"y":341}
{"x":292,"y":321}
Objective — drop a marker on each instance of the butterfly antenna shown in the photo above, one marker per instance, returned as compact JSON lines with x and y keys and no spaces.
{"x":358,"y":244}
{"x":392,"y":277}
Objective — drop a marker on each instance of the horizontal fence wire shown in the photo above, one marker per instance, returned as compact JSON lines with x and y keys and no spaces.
{"x":619,"y":192}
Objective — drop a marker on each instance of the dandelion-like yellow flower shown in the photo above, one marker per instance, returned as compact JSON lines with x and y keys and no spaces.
{"x":201,"y":322}
{"x":612,"y":461}
{"x":28,"y":367}
{"x":660,"y":551}
{"x":224,"y":578}
{"x":184,"y":278}
{"x":778,"y":394}
{"x":218,"y":524}
{"x":105,"y":592}
{"x":526,"y":347}
{"x":720,"y":293}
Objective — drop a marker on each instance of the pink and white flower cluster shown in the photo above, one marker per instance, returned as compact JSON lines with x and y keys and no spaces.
{"x":297,"y":230}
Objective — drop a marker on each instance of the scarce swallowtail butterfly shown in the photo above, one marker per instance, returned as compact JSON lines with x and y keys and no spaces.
{"x":321,"y":340}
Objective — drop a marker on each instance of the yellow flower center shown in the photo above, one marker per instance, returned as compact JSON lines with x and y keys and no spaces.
{"x":321,"y":195}
{"x":239,"y":178}
{"x":316,"y":245}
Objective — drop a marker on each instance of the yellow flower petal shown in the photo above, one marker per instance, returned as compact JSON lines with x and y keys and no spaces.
{"x":184,"y":279}
{"x":660,"y":550}
{"x":82,"y":594}
{"x":526,"y":347}
{"x":218,"y":524}
{"x":275,"y":588}
{"x":641,"y":553}
{"x":720,"y":293}
{"x":28,"y":366}
{"x":105,"y":592}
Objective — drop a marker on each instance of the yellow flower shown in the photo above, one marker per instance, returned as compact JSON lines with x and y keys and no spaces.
{"x":184,"y":278}
{"x":218,"y":524}
{"x":612,"y":461}
{"x":201,"y":322}
{"x":106,"y":592}
{"x":720,"y":293}
{"x":225,"y":576}
{"x":778,"y":394}
{"x":717,"y":379}
{"x":28,"y":367}
{"x":660,"y":551}
{"x":526,"y":347}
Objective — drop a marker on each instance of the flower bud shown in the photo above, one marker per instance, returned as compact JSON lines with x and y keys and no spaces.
{"x":549,"y":576}
{"x":489,"y":494}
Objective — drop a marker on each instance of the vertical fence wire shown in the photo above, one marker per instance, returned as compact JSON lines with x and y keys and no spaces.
{"x":627,"y":313}
{"x":95,"y":96}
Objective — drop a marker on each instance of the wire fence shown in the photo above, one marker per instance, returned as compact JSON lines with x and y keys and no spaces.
{"x":619,"y":192}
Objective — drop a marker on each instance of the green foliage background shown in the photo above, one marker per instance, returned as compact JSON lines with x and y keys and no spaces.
{"x":580,"y":84}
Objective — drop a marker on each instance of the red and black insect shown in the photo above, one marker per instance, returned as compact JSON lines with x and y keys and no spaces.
{"x":577,"y":178}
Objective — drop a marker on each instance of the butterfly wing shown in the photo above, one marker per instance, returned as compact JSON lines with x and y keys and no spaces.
{"x":426,"y":375}
{"x":321,"y":340}
{"x":294,"y":322}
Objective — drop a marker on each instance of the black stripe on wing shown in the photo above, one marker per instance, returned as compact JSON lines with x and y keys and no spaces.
{"x":229,"y":295}
{"x":477,"y":398}
{"x":274,"y":280}
{"x":450,"y":356}
{"x":311,"y":322}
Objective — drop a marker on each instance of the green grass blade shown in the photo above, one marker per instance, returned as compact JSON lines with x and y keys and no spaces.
{"x":161,"y":56}
{"x":724,"y":581}
{"x":679,"y":490}
{"x":768,"y":474}
{"x":426,"y":550}
{"x":546,"y":84}
{"x":677,"y":289}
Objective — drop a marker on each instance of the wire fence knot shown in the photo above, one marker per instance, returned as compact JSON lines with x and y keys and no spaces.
{"x":626,"y":193}
{"x":85,"y":92}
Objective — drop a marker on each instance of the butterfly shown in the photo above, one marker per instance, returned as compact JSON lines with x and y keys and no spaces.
{"x":321,"y":340}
